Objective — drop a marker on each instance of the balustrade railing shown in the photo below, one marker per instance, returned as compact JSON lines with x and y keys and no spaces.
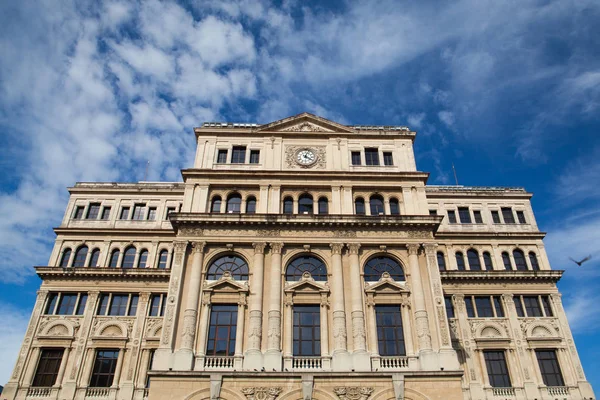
{"x":558,"y":390}
{"x":396,"y":362}
{"x":215,"y":362}
{"x":39,"y":392}
{"x":307,"y":363}
{"x":503,"y":391}
{"x":96,"y":392}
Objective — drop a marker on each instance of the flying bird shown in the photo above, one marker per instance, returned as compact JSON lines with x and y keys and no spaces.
{"x":582,"y":261}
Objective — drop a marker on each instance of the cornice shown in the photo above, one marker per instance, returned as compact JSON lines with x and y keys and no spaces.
{"x":307,"y":175}
{"x":163,"y":188}
{"x":478,"y":235}
{"x":46,"y":272}
{"x":500,"y":276}
{"x":444,"y":192}
{"x":112,"y":231}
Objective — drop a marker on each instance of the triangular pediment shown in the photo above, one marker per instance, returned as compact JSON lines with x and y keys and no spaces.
{"x":306,"y":286}
{"x":387,"y":286}
{"x":305,"y":122}
{"x":226,"y":284}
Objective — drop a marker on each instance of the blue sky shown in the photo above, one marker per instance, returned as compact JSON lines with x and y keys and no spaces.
{"x":507,"y":91}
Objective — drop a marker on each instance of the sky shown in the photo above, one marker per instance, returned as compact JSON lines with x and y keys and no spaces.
{"x":508,"y":92}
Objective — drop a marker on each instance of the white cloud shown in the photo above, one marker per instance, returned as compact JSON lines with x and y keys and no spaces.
{"x":447,"y":117}
{"x":12,"y":331}
{"x":415,"y":121}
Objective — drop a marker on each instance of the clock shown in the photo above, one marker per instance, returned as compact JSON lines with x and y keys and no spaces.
{"x":306,"y":157}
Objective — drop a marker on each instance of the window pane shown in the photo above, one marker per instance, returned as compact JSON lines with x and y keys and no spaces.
{"x":250,"y":205}
{"x":487,"y":260}
{"x":394,"y":207}
{"x":323,"y":205}
{"x":521,"y":217}
{"x":235,"y":265}
{"x":93,"y":211}
{"x":151,"y":213}
{"x":359,"y":205}
{"x":103,"y":304}
{"x":520,"y":260}
{"x":497,"y":368}
{"x":66,"y":305}
{"x":534,"y":261}
{"x":143,"y":259}
{"x":238,"y":155}
{"x":138,"y":212}
{"x":433,"y":212}
{"x":460,"y":261}
{"x":532,"y":306}
{"x":390,"y":334}
{"x":94,"y":258}
{"x":307,"y":341}
{"x":469,"y":307}
{"x":449,"y":306}
{"x":305,"y":204}
{"x":222,"y":156}
{"x":356,"y":158}
{"x":519,"y":307}
{"x":376,"y":203}
{"x":47,"y":368}
{"x":221,"y":333}
{"x":104,"y":368}
{"x":549,"y":367}
{"x":254,"y":156}
{"x":155,"y":305}
{"x":484,"y":307}
{"x":162,"y":259}
{"x":234,"y":203}
{"x":477,"y":217}
{"x":388,"y":159}
{"x":299,"y":265}
{"x":216,"y":205}
{"x":464,"y":215}
{"x":473,"y":257}
{"x":80,"y":256}
{"x":441,"y":260}
{"x":376,"y":266}
{"x":288,"y":205}
{"x":451,"y":216}
{"x":51,"y":305}
{"x":118,"y":305}
{"x":64,"y":260}
{"x":496,"y":217}
{"x":371,"y":156}
{"x":128,"y":258}
{"x":133,"y":305}
{"x":78,"y":212}
{"x":508,"y":216}
{"x":81,"y":305}
{"x":125,"y":213}
{"x":498,"y":307}
{"x":106,"y":213}
{"x":547,"y":307}
{"x":506,"y":261}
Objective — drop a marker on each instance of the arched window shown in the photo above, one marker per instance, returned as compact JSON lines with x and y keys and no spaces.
{"x":487,"y":260}
{"x":323,"y":205}
{"x":394,"y":206}
{"x":441,"y":261}
{"x":460,"y":261}
{"x":302,"y":264}
{"x":359,"y":206}
{"x":234,"y":203}
{"x":80,"y":256}
{"x":94,"y":258}
{"x":520,"y":262}
{"x":534,"y":261}
{"x":235,"y":265}
{"x":64,"y":260}
{"x":114,"y":258}
{"x":376,"y":266}
{"x":506,"y":261}
{"x":305,"y":204}
{"x":162,"y":259}
{"x":251,"y":205}
{"x":128,"y":258}
{"x":376,"y":205}
{"x":473,"y":257}
{"x":215,"y":206}
{"x":288,"y":205}
{"x":143,"y":260}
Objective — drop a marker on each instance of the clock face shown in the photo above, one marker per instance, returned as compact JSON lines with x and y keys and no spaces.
{"x":306,"y":157}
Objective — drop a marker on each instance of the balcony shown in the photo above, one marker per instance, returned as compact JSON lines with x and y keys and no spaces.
{"x":558,"y":391}
{"x":97,"y":393}
{"x":219,"y":363}
{"x":503,"y":392}
{"x":307,"y":363}
{"x":38,"y":392}
{"x":393,"y":363}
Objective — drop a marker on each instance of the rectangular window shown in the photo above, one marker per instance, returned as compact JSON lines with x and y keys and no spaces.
{"x":469,"y":307}
{"x":432,"y":212}
{"x":497,"y":369}
{"x":507,"y":215}
{"x":388,"y":159}
{"x":547,"y":308}
{"x":66,"y":304}
{"x":157,"y":303}
{"x":355,"y":158}
{"x":307,"y":331}
{"x":47,"y":368}
{"x":151,"y":213}
{"x":118,"y":304}
{"x":371,"y":156}
{"x":106,"y":213}
{"x":222,"y":157}
{"x":452,"y":216}
{"x":238,"y":156}
{"x":449,"y":306}
{"x":150,"y":361}
{"x":549,"y":367}
{"x":78,"y":214}
{"x":105,"y":365}
{"x":93,"y":211}
{"x":169,"y":211}
{"x":519,"y":307}
{"x":484,"y":307}
{"x":222,"y":330}
{"x":521,"y":217}
{"x":124,"y":213}
{"x":532,"y":306}
{"x":138,"y":212}
{"x":496,"y":217}
{"x":477,"y":217}
{"x":390,"y":335}
{"x":254,"y":156}
{"x":498,"y":307}
{"x":81,"y":304}
{"x":464,"y":215}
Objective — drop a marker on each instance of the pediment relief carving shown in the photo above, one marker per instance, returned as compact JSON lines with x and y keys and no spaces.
{"x":307,"y":285}
{"x":305,"y":122}
{"x":386,"y":285}
{"x":226,"y":284}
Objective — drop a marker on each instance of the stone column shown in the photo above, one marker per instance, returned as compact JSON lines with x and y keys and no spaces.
{"x":184,"y":357}
{"x":372,"y":330}
{"x":63,"y":367}
{"x":117,"y":376}
{"x":420,"y":311}
{"x":272,"y":359}
{"x":341,"y":360}
{"x":287,"y":332}
{"x":240,"y":333}
{"x":204,"y":321}
{"x":325,"y":357}
{"x":253,"y":355}
{"x":360,"y":356}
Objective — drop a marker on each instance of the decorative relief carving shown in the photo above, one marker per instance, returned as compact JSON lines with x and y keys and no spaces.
{"x":261,"y":393}
{"x":305,"y":127}
{"x":343,"y":233}
{"x":191,"y":232}
{"x":353,"y":248}
{"x":413,"y":249}
{"x":353,"y":392}
{"x":336,"y":248}
{"x":290,"y":157}
{"x":268,"y":232}
{"x":339,"y":330}
{"x":276,"y":247}
{"x":442,"y":323}
{"x":259,"y":248}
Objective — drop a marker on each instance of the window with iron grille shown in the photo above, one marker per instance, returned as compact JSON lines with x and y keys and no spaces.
{"x":307,"y":331}
{"x":48,"y":367}
{"x":222,"y":330}
{"x":104,"y":369}
{"x":93,"y":211}
{"x":549,"y":368}
{"x":238,"y":155}
{"x":390,"y":334}
{"x":371,"y":156}
{"x":497,"y":369}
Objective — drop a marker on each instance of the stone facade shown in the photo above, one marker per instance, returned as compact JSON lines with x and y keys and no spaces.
{"x":155,"y":242}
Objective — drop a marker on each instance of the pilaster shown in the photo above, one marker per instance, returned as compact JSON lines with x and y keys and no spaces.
{"x":273,"y":356}
{"x":340,"y":350}
{"x":253,"y":355}
{"x":360,"y":357}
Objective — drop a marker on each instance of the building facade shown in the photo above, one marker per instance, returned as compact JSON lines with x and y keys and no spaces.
{"x":300,"y":259}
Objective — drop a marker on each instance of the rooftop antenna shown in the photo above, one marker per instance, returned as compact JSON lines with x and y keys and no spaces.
{"x":455,"y":178}
{"x":146,"y":173}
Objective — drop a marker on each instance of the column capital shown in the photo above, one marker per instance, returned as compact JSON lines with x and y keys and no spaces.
{"x":206,"y":299}
{"x":353,"y":248}
{"x":242,"y":300}
{"x":259,"y":247}
{"x":180,"y":245}
{"x":413,"y":249}
{"x":198,"y":247}
{"x":430,"y":248}
{"x":276,"y":247}
{"x":508,"y":297}
{"x":336,"y":248}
